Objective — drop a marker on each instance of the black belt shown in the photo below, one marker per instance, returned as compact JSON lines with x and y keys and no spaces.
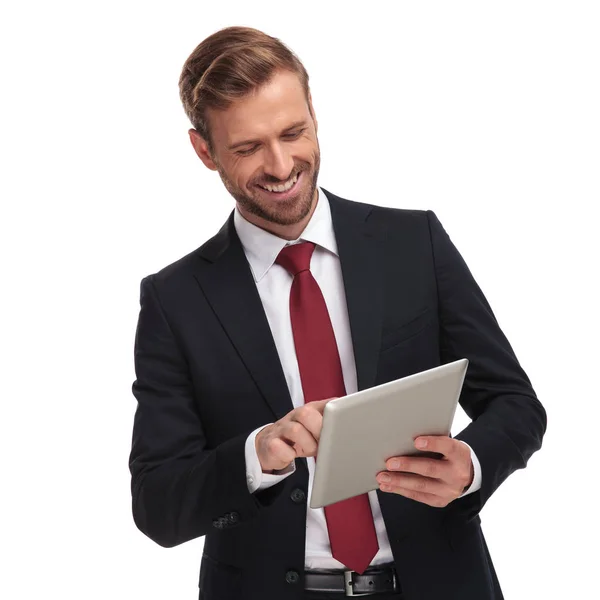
{"x":374,"y":580}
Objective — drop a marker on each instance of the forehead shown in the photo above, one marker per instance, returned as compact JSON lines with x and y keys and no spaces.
{"x":271,"y":108}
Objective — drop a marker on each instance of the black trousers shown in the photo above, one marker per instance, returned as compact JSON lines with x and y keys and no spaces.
{"x":335,"y":596}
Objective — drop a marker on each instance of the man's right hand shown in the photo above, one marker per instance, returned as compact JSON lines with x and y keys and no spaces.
{"x":295,"y":435}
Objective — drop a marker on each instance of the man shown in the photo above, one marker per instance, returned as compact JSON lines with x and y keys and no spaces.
{"x":303,"y":296}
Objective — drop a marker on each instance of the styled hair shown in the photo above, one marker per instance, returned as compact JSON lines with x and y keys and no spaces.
{"x":228,"y":65}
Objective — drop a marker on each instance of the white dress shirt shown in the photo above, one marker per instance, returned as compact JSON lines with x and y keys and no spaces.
{"x":274,"y":283}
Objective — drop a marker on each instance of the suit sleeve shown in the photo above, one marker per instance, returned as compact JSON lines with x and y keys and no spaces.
{"x":508,"y":421}
{"x":181,"y":489}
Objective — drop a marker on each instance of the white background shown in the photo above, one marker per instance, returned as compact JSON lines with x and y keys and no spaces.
{"x":486,"y":113}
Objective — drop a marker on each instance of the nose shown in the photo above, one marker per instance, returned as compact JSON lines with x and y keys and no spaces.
{"x":278,"y":163}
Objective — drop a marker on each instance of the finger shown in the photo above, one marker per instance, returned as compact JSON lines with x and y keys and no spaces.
{"x":320,"y":404}
{"x":419,"y":483}
{"x":442,"y":444}
{"x":427,"y":467}
{"x":311,"y":416}
{"x":279,"y":450}
{"x":423,"y":497}
{"x":300,"y":438}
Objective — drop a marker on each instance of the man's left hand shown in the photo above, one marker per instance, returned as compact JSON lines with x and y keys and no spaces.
{"x":436,"y":482}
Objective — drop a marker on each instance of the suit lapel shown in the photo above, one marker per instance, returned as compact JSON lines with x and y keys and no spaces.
{"x":226,"y":281}
{"x":230,"y":289}
{"x":360,"y":245}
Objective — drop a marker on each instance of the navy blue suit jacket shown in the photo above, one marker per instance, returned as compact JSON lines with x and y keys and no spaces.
{"x":208,"y":373}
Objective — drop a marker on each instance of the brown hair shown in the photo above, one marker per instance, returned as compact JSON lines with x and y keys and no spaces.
{"x":228,"y":65}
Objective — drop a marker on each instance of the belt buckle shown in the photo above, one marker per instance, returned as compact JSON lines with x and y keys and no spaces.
{"x":349,"y":584}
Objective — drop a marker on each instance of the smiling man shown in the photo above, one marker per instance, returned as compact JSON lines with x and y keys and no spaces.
{"x":266,"y":151}
{"x":303,"y":296}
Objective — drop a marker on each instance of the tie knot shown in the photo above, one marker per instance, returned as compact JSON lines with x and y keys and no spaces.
{"x":296,"y":258}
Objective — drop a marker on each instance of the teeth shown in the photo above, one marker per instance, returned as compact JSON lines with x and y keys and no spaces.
{"x":281,"y":188}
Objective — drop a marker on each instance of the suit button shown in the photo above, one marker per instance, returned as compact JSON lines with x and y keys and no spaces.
{"x":298,"y":496}
{"x":217,"y":524}
{"x":292,"y":577}
{"x":234,"y":517}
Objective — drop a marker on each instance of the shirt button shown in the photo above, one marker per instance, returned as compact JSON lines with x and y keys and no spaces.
{"x":250,"y":479}
{"x":292,"y":577}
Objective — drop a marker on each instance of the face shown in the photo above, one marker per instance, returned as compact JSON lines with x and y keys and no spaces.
{"x":267,"y":139}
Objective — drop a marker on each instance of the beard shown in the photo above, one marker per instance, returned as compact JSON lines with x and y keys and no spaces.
{"x":279,"y":212}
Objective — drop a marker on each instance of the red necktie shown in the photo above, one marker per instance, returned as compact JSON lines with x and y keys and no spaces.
{"x":349,"y":522}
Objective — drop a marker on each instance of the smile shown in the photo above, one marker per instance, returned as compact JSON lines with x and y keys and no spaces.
{"x":281,"y":188}
{"x":285,"y":190}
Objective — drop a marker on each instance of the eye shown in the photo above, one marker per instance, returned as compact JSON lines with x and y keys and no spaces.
{"x":247,"y":152}
{"x":293,"y":135}
{"x":288,"y":136}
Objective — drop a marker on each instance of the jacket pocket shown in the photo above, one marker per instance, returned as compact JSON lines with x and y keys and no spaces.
{"x":414,"y":326}
{"x":218,"y":581}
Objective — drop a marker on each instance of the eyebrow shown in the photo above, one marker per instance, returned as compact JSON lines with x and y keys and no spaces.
{"x":246,"y":142}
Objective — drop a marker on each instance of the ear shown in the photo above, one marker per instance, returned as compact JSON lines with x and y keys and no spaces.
{"x":312,"y":112}
{"x":201,"y":147}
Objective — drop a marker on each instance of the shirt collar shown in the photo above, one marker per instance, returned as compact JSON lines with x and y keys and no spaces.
{"x":262,"y":247}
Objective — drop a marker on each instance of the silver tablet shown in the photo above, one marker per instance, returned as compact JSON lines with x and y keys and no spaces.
{"x":362,"y":431}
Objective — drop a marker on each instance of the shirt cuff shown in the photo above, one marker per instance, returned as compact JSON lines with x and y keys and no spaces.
{"x":476,"y":484}
{"x":255,"y":478}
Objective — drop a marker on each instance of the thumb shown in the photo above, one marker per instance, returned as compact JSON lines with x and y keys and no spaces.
{"x":320,"y":404}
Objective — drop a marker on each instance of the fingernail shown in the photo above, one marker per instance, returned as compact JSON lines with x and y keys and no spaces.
{"x":384,"y":478}
{"x":394,"y":464}
{"x":421,"y":443}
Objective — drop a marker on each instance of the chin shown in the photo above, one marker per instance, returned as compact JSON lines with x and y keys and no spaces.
{"x":289,"y":212}
{"x":281,"y":217}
